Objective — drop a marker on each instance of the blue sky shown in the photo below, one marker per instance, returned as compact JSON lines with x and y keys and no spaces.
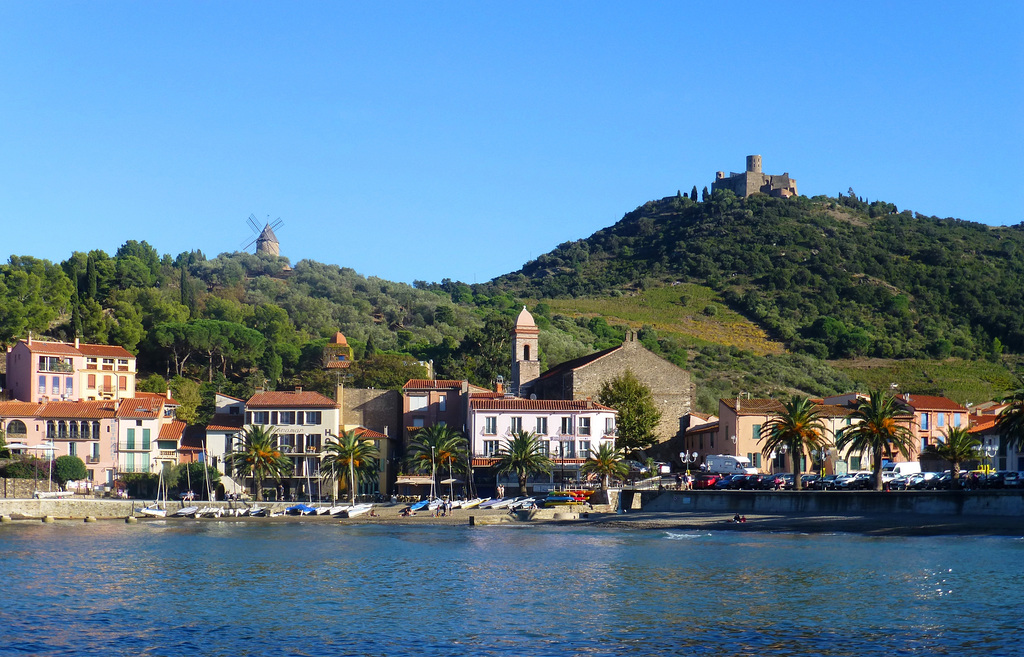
{"x":431,"y":140}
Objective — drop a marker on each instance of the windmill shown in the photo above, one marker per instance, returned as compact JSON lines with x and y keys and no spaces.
{"x":265,"y":240}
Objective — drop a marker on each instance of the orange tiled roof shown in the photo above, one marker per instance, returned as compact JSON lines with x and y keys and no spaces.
{"x":982,"y":423}
{"x":290,"y":399}
{"x":338,"y":364}
{"x":59,"y":348}
{"x":140,"y":408}
{"x":172,"y":430}
{"x":86,"y":410}
{"x":105,"y":350}
{"x":755,"y":406}
{"x":703,"y":428}
{"x":363,"y":432}
{"x":339,"y":339}
{"x":225,"y":422}
{"x":156,"y":395}
{"x":487,"y":395}
{"x":432,"y":384}
{"x":478,"y":404}
{"x":928,"y":403}
{"x":18,"y":409}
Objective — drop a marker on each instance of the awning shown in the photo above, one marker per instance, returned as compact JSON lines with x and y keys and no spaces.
{"x":451,"y":481}
{"x":414,"y":481}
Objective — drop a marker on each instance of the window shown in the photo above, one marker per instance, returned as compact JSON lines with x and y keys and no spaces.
{"x":129,"y":442}
{"x":313,"y":417}
{"x":569,"y":447}
{"x":90,"y":363}
{"x":526,"y":352}
{"x":69,"y":385}
{"x":85,"y":430}
{"x":233,"y":410}
{"x":584,"y":426}
{"x":96,"y":429}
{"x":490,"y":426}
{"x":55,"y":381}
{"x":855,"y":463}
{"x":584,"y":449}
{"x":286,"y":441}
{"x":956,"y":419}
{"x":273,"y":417}
{"x":756,"y":433}
{"x":73,"y":430}
{"x":442,"y":403}
{"x":145,"y":438}
{"x":95,"y":451}
{"x":51,"y":430}
{"x":940,"y":420}
{"x":287,"y":417}
{"x":166,"y":444}
{"x":417,"y":402}
{"x":42,"y":385}
{"x":924,"y":421}
{"x":567,"y":425}
{"x":260,"y":417}
{"x":517,"y":424}
{"x":91,"y":382}
{"x":72,"y":449}
{"x":313,"y":442}
{"x":609,"y":426}
{"x":129,"y":463}
{"x":417,"y":422}
{"x":122,"y":383}
{"x":490,"y":447}
{"x":16,"y":428}
{"x":62,"y":430}
{"x":542,"y":426}
{"x":545,"y":448}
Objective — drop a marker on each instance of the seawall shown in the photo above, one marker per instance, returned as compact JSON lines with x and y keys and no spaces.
{"x":831,"y":503}
{"x":78,"y":508}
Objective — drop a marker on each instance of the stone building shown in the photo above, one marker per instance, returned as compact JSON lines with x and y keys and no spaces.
{"x":582,"y":378}
{"x":753,"y":181}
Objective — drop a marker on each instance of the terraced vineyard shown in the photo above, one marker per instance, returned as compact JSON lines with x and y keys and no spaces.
{"x":692,"y":312}
{"x":961,"y":380}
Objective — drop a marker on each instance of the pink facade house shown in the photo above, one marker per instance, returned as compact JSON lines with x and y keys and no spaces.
{"x":41,"y":371}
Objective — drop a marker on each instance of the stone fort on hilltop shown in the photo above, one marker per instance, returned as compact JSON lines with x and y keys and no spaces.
{"x":753,"y":181}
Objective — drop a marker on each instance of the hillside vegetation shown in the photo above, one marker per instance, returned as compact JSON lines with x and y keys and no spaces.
{"x":751,"y":295}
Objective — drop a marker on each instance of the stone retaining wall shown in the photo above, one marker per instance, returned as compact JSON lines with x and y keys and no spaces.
{"x":951,"y":503}
{"x":104,"y":508}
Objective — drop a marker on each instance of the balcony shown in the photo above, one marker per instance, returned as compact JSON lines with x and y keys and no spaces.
{"x":92,"y":460}
{"x":134,"y":468}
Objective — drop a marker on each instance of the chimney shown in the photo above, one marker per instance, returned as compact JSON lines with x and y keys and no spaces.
{"x":499,"y":386}
{"x":76,"y":342}
{"x":737,"y":403}
{"x":29,"y":341}
{"x":298,"y":388}
{"x":259,"y":390}
{"x":168,"y":390}
{"x":906,"y":397}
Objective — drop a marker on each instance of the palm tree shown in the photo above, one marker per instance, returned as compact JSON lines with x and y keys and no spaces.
{"x":797,"y":429}
{"x":437,"y":446}
{"x":606,"y":462}
{"x":960,"y":446}
{"x":259,"y":457}
{"x":1010,"y":422}
{"x":523,"y":455}
{"x":876,"y":429}
{"x":358,"y":457}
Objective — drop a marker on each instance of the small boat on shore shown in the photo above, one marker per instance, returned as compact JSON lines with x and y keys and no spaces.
{"x":187,"y":512}
{"x":473,"y":503}
{"x":153,"y":511}
{"x":300,"y":510}
{"x":502,"y":503}
{"x":255,"y":512}
{"x":357,"y":510}
{"x":419,"y":505}
{"x":340,"y":510}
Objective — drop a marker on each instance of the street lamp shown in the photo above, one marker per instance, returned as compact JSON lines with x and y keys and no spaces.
{"x":687,"y":459}
{"x":989,"y":450}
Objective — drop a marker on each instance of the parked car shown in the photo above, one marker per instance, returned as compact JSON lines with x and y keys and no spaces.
{"x":828,"y":482}
{"x":771,"y":482}
{"x":637,"y":466}
{"x":663,"y":468}
{"x":724,"y":482}
{"x":898,"y":482}
{"x":857,"y":481}
{"x":738,"y":482}
{"x":922,"y":480}
{"x":808,"y":481}
{"x":788,"y":479}
{"x":1013,"y":479}
{"x":706,"y":481}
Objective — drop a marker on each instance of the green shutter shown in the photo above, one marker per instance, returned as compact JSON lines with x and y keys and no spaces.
{"x":145,"y":439}
{"x":130,"y":442}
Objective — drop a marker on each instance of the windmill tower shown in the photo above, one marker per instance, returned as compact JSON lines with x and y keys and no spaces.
{"x":265,"y":240}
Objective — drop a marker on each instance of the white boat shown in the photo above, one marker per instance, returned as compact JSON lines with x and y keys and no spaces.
{"x":524,"y":503}
{"x":357,"y":510}
{"x":501,"y":504}
{"x":153,"y":511}
{"x":340,"y":510}
{"x":475,"y":502}
{"x":323,"y":510}
{"x":257,"y":512}
{"x":488,"y":503}
{"x":187,"y":512}
{"x":434,"y":504}
{"x":209,"y":512}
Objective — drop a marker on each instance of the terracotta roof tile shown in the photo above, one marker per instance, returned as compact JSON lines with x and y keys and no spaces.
{"x":290,"y":399}
{"x":703,"y":428}
{"x":478,"y":404}
{"x":339,"y":364}
{"x":172,"y":430}
{"x":18,"y":409}
{"x":363,"y":432}
{"x":156,"y":395}
{"x":928,"y":403}
{"x":58,"y":348}
{"x":575,"y":363}
{"x":225,"y":422}
{"x":755,"y":406}
{"x":487,"y":395}
{"x":105,"y":350}
{"x":982,"y":423}
{"x":140,"y":408}
{"x":432,"y":384}
{"x":87,"y":410}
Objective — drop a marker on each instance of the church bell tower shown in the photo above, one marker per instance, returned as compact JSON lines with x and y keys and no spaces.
{"x":525,"y":359}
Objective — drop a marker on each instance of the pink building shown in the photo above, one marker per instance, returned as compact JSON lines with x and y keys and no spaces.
{"x":41,"y":371}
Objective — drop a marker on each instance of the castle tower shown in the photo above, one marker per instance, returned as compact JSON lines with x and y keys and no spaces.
{"x":754,"y":163}
{"x":525,"y":359}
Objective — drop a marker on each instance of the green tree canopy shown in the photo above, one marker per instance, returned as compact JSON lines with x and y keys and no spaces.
{"x":351,"y":457}
{"x":258,"y":456}
{"x":68,"y":468}
{"x":880,"y":430}
{"x":523,"y":455}
{"x":797,"y":430}
{"x":638,"y":414}
{"x":607,"y":463}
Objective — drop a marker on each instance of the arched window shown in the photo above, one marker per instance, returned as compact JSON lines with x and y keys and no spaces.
{"x":85,"y":430}
{"x":74,"y":430}
{"x":62,"y":430}
{"x":51,"y":430}
{"x":95,"y":429}
{"x":16,"y":428}
{"x":526,"y":352}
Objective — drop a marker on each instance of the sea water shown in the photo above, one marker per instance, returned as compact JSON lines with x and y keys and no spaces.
{"x":315,"y":588}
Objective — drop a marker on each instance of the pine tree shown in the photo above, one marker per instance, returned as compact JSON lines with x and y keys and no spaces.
{"x":90,"y":277}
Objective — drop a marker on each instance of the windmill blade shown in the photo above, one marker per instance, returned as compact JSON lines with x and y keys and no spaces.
{"x":254,"y":224}
{"x":277,"y":224}
{"x":246,"y":245}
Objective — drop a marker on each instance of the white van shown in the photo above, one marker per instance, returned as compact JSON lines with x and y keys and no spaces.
{"x":901,"y":469}
{"x":725,"y":464}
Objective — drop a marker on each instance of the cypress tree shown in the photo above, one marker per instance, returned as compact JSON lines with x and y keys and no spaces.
{"x":693,"y":194}
{"x":90,"y":277}
{"x":704,"y":195}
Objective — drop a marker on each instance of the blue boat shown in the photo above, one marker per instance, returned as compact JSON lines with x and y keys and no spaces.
{"x":300,"y":509}
{"x":419,"y":505}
